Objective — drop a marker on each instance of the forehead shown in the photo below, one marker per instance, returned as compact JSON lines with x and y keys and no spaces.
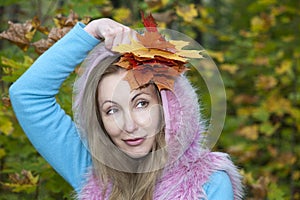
{"x":115,"y":87}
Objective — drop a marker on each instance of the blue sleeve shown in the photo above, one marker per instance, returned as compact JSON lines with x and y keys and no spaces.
{"x":219,"y":187}
{"x":49,"y":128}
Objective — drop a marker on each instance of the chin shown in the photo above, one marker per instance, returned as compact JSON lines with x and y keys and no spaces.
{"x":137,"y":155}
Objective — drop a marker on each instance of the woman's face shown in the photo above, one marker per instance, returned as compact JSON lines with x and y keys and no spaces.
{"x":130,"y":117}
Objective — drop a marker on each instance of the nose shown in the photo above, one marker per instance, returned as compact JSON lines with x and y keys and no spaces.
{"x":129,"y":123}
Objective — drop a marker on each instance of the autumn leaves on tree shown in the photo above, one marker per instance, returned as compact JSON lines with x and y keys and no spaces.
{"x":22,"y":34}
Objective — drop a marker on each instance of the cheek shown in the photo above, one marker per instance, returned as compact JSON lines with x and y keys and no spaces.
{"x":111,"y":126}
{"x":150,"y":118}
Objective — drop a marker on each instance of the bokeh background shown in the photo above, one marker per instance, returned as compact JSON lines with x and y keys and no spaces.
{"x":255,"y":44}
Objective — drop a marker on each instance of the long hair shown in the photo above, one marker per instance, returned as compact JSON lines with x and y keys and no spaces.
{"x":130,"y":178}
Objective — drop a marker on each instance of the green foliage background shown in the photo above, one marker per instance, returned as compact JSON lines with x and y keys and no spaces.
{"x":256,"y":46}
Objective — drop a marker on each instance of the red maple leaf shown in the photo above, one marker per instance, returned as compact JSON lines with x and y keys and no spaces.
{"x":149,"y":22}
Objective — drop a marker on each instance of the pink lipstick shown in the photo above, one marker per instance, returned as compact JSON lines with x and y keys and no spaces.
{"x":135,"y":141}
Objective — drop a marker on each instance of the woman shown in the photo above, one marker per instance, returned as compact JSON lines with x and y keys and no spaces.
{"x":129,"y":140}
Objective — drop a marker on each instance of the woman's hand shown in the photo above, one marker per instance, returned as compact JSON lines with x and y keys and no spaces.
{"x":112,"y":32}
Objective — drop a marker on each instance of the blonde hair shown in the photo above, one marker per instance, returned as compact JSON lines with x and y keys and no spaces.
{"x":130,"y":178}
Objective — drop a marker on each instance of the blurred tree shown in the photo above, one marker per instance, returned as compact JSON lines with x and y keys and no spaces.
{"x":255,"y":44}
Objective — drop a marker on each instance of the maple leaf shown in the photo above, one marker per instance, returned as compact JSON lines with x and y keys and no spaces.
{"x":61,"y":21}
{"x":162,"y":75}
{"x":149,"y":23}
{"x":63,"y":26}
{"x":143,"y":75}
{"x":124,"y":62}
{"x":57,"y":33}
{"x":152,"y":38}
{"x":140,"y":50}
{"x":153,"y":53}
{"x":179,"y":44}
{"x":155,"y":40}
{"x":164,"y":83}
{"x":21,"y":34}
{"x":43,"y":29}
{"x":125,"y":48}
{"x":72,"y":19}
{"x":41,"y":46}
{"x":130,"y":78}
{"x":130,"y":60}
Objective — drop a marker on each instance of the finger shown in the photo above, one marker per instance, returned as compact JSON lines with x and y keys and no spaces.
{"x":123,"y":36}
{"x":130,"y":35}
{"x":119,"y":36}
{"x":126,"y":36}
{"x":108,"y":39}
{"x":114,"y":33}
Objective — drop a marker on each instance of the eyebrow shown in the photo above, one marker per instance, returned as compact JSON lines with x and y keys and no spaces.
{"x":138,"y":94}
{"x":107,"y":101}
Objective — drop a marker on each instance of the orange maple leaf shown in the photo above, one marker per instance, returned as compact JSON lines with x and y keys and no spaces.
{"x":155,"y":40}
{"x":162,"y":75}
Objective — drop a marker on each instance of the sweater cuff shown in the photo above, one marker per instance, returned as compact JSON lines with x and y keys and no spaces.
{"x":78,"y":30}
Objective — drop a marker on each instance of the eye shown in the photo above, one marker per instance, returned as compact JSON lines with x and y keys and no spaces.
{"x":142,"y":104}
{"x":111,"y":111}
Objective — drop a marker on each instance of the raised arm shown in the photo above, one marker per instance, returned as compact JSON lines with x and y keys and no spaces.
{"x":51,"y":131}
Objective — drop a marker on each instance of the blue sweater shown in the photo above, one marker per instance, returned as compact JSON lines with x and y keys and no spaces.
{"x":51,"y":130}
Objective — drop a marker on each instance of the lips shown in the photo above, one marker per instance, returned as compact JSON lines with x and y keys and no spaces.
{"x":134,"y":142}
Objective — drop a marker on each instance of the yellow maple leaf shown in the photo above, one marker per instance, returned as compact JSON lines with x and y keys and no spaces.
{"x":127,"y":48}
{"x":152,"y":53}
{"x":189,"y":53}
{"x":179,"y":44}
{"x":139,"y":50}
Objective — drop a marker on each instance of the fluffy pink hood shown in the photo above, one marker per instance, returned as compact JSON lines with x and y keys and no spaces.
{"x":190,"y":162}
{"x":184,"y":125}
